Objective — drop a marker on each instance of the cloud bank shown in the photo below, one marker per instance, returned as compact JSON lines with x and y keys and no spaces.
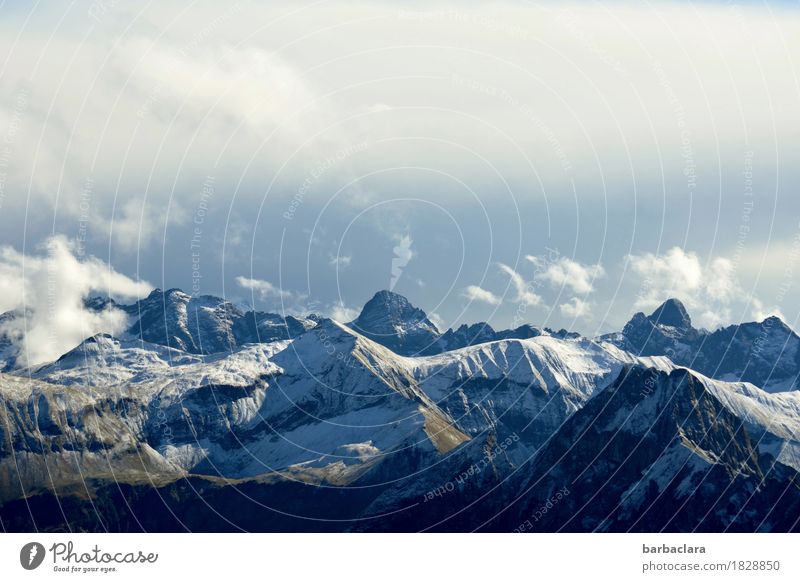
{"x":48,"y":290}
{"x":475,"y":293}
{"x":524,"y":293}
{"x":263,"y":289}
{"x":710,"y":290}
{"x":565,"y":272}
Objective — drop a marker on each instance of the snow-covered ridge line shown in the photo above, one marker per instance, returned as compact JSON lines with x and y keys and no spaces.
{"x":335,"y":408}
{"x":766,"y":354}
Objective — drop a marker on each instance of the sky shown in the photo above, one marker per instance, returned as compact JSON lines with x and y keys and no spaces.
{"x":560,"y":164}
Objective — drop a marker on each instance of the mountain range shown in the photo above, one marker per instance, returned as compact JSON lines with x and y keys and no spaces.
{"x":203,"y":416}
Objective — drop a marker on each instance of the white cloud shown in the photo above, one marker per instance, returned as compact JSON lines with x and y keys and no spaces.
{"x":524,"y":292}
{"x":51,"y":288}
{"x":256,"y":86}
{"x":160,"y":95}
{"x":564,"y":272}
{"x":709,"y":290}
{"x":676,"y":273}
{"x":402,"y":256}
{"x":575,"y":308}
{"x":475,"y":293}
{"x":135,"y":224}
{"x":341,"y":313}
{"x":340,"y":261}
{"x":144,"y":108}
{"x":760,"y":312}
{"x":264,"y":289}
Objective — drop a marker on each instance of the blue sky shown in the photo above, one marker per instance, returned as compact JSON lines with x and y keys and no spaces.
{"x":561,"y":164}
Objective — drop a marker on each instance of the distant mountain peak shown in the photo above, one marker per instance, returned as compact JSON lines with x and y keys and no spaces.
{"x":389,"y":312}
{"x":391,"y":319}
{"x":672,"y":313}
{"x":390,"y":300}
{"x":775,"y":321}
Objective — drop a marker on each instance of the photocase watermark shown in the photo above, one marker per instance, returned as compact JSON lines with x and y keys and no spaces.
{"x":154,"y":96}
{"x":52,"y":294}
{"x":543,"y":510}
{"x":649,"y":384}
{"x":686,"y":148}
{"x":568,"y":19}
{"x":317,"y":172}
{"x":747,"y":209}
{"x":540,"y":266}
{"x":195,"y":242}
{"x":524,"y":109}
{"x":464,"y":17}
{"x":762,"y":340}
{"x":84,"y":216}
{"x":98,"y":9}
{"x":10,"y":138}
{"x":162,"y":424}
{"x":211,"y":26}
{"x":474,"y":469}
{"x":332,"y":349}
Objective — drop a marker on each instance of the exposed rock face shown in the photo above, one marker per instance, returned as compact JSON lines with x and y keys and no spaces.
{"x":672,"y":313}
{"x":9,"y":343}
{"x":391,"y":320}
{"x":206,"y":324}
{"x":663,"y":451}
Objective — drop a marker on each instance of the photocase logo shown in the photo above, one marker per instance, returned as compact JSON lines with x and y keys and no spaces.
{"x":31,"y":555}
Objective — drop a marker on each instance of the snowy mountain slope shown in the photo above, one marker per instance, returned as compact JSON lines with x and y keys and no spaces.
{"x":662,"y":450}
{"x":56,"y":437}
{"x":104,"y":360}
{"x":772,"y":420}
{"x":329,"y":397}
{"x":326,"y":423}
{"x":331,"y":406}
{"x":392,"y":321}
{"x":529,"y":386}
{"x":480,"y":333}
{"x":327,"y":400}
{"x":337,"y":398}
{"x":205,"y":324}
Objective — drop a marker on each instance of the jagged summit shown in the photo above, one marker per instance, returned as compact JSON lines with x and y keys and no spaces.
{"x":773,"y":321}
{"x":201,"y":324}
{"x":766,"y":353}
{"x":388,"y":311}
{"x":390,"y":319}
{"x":672,"y":313}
